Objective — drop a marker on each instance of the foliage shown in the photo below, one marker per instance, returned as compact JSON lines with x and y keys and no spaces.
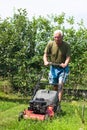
{"x":22,"y":43}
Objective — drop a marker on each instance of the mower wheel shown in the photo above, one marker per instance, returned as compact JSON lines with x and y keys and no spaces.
{"x":20,"y":116}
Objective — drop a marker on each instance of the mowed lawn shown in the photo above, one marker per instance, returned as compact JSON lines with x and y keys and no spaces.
{"x":71,"y":118}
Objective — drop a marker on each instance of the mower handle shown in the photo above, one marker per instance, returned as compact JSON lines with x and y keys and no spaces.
{"x":54,"y":64}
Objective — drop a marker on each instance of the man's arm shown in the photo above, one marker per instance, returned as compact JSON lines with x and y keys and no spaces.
{"x":47,"y":52}
{"x":45,"y":59}
{"x":66,"y":62}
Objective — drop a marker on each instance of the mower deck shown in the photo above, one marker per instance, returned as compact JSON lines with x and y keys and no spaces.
{"x":28,"y":114}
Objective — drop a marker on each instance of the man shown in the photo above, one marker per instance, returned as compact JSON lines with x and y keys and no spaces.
{"x":57,"y":51}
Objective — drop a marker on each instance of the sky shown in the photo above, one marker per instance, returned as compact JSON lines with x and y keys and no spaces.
{"x":76,"y":8}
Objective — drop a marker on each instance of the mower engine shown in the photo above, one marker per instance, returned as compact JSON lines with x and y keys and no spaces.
{"x":39,"y":105}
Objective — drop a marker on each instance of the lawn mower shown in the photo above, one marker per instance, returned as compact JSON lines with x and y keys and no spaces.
{"x":42,"y":106}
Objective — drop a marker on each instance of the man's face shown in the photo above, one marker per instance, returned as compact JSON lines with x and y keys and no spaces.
{"x":58,"y":38}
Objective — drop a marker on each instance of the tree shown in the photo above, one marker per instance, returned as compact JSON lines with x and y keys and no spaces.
{"x":22,"y":43}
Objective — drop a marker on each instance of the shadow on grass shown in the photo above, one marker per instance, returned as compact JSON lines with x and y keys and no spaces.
{"x":19,"y":100}
{"x":61,"y":113}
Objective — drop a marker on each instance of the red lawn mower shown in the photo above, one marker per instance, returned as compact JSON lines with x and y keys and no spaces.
{"x":42,"y":106}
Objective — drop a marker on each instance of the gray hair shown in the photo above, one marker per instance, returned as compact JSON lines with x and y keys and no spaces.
{"x":58,"y":31}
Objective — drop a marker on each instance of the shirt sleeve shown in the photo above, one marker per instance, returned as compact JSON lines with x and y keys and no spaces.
{"x":68,"y":51}
{"x":48,"y":48}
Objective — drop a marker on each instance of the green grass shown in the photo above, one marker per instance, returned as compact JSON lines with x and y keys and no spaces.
{"x":69,"y":119}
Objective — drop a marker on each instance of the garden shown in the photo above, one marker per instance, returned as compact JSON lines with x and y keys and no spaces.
{"x":22,"y":43}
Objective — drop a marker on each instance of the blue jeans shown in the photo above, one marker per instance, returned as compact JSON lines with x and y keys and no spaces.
{"x":58,"y":75}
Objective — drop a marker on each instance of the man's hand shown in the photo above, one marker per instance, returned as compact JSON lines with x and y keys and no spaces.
{"x":66,"y":62}
{"x":46,"y":63}
{"x":63,"y":65}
